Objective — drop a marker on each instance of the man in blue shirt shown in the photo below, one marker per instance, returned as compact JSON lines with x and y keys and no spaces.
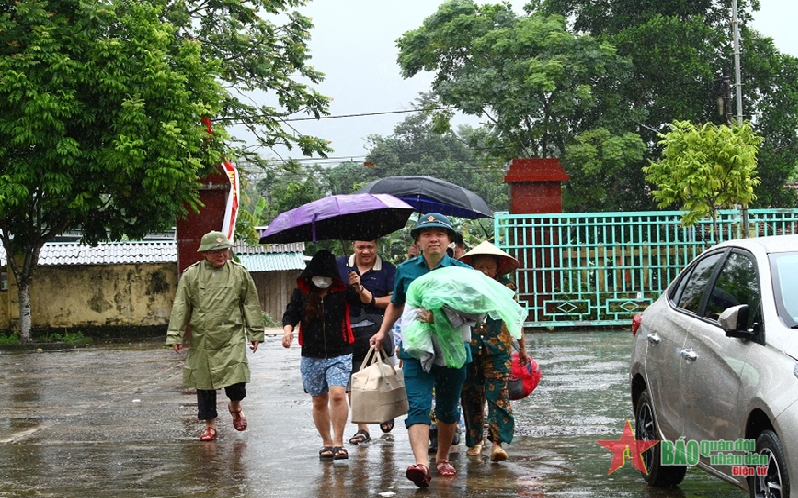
{"x":434,"y":234}
{"x":365,"y":268}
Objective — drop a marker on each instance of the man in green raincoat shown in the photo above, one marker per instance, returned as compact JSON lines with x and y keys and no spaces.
{"x":218,"y":298}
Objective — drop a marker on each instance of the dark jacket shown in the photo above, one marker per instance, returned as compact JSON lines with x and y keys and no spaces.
{"x":333,"y":336}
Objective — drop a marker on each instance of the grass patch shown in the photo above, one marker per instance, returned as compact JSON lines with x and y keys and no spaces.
{"x":72,"y":338}
{"x":8,"y":339}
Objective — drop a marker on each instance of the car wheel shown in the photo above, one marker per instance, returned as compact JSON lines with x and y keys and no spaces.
{"x":646,"y":428}
{"x":776,"y":484}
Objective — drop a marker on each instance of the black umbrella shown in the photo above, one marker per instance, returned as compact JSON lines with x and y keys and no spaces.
{"x":343,"y":217}
{"x":428,"y":194}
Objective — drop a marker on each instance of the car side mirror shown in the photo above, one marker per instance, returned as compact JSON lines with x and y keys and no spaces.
{"x":734,"y":321}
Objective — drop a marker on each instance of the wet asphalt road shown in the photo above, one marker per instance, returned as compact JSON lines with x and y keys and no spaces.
{"x":115,"y":421}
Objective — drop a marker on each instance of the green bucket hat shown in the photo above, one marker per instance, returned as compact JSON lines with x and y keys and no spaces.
{"x":213,"y":241}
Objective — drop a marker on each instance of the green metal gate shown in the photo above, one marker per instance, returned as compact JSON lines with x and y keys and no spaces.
{"x":603,"y":268}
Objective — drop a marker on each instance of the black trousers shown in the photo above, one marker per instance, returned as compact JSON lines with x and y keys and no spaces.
{"x":206,"y":399}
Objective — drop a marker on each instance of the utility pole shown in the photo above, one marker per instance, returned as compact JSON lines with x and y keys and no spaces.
{"x":739,"y":86}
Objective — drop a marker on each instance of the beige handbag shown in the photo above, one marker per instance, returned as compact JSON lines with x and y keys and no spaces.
{"x":378,"y":391}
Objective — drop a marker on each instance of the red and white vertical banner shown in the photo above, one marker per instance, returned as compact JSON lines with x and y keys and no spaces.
{"x":231,"y":209}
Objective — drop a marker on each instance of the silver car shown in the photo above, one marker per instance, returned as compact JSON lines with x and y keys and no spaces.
{"x":714,"y":369}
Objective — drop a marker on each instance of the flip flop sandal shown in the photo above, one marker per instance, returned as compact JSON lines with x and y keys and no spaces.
{"x":475,"y":450}
{"x":239,"y":420}
{"x":419,"y":474}
{"x":387,"y":427}
{"x":361,"y":436}
{"x":498,"y":455}
{"x":340,"y":453}
{"x":327,"y":453}
{"x":209,"y":434}
{"x":445,"y":468}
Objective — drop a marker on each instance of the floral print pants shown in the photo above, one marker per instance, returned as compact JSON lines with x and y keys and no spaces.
{"x":486,"y":381}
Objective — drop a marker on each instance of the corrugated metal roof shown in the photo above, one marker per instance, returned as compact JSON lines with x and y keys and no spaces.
{"x":270,"y":257}
{"x":284,"y":261}
{"x":242,"y":247}
{"x":109,"y":253}
{"x":275,"y":257}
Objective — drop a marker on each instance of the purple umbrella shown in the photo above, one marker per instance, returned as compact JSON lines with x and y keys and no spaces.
{"x":344,"y":217}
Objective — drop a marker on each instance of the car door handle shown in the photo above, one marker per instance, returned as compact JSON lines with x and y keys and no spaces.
{"x":653,"y":338}
{"x":688,"y":354}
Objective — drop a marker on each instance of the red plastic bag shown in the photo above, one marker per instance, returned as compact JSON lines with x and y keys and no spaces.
{"x":523,"y":378}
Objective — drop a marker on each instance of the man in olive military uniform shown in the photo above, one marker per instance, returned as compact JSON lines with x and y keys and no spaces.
{"x":218,"y":298}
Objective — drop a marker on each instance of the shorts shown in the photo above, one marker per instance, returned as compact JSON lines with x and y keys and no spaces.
{"x":318,"y":374}
{"x":448,"y":385}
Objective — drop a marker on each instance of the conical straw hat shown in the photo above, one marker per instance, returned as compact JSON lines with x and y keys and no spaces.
{"x":507,"y":263}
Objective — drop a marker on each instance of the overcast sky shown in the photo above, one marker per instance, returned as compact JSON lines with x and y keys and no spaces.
{"x":354,"y":44}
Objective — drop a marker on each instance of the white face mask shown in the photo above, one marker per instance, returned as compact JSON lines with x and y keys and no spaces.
{"x":322,"y":282}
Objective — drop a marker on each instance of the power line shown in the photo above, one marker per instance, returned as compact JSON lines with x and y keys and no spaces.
{"x":336,"y":116}
{"x":319,"y":160}
{"x":362,"y":114}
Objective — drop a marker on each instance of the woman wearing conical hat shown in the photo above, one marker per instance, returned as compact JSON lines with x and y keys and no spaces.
{"x":489,"y":371}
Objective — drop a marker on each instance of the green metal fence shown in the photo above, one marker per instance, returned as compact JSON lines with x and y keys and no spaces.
{"x":603,"y":268}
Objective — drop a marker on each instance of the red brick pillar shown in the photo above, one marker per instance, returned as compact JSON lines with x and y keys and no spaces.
{"x":213,"y":196}
{"x":536,"y":187}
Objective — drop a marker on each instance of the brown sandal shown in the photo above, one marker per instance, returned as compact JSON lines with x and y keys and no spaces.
{"x":445,"y":469}
{"x":419,"y":474}
{"x":239,"y":420}
{"x":209,"y":434}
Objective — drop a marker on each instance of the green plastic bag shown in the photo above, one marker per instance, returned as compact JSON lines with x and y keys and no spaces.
{"x":461,"y":289}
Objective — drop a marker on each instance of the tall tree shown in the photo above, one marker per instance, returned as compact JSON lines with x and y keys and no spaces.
{"x":100,"y":107}
{"x":539,"y":86}
{"x":681,"y":52}
{"x":261,"y":58}
{"x":99,"y":126}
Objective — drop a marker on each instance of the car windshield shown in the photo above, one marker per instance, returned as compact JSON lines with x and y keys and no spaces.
{"x":785,"y":286}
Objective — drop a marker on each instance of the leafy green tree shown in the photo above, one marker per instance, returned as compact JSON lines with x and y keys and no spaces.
{"x":598,"y":163}
{"x":260,"y":57}
{"x":680,"y":52}
{"x":705,"y":168}
{"x":538,"y":86}
{"x":346,"y":177}
{"x":774,"y":106}
{"x":419,"y":147}
{"x":527,"y":76}
{"x":99,"y":126}
{"x":101,"y":108}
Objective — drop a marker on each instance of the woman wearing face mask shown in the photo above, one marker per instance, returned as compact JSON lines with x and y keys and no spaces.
{"x":320,"y":305}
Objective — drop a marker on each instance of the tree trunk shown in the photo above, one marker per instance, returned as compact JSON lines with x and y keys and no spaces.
{"x":715,"y":228}
{"x":23,"y":292}
{"x":746,"y":224}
